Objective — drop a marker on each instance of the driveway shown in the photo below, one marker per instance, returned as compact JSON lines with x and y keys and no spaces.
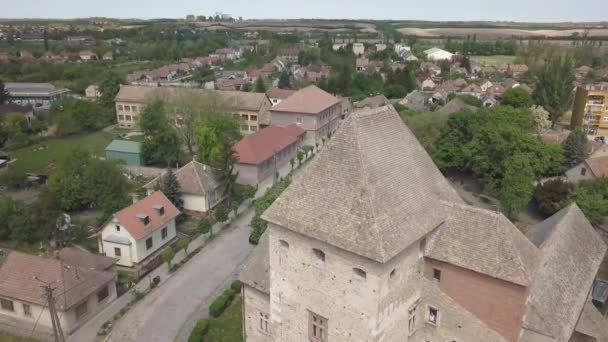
{"x":182,"y":297}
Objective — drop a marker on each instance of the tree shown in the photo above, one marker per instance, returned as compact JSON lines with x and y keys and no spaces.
{"x":203,"y":74}
{"x":214,"y":131}
{"x":183,"y":244}
{"x":284,"y":81}
{"x":71,"y":115}
{"x":551,"y":196}
{"x":260,"y":86}
{"x":243,"y":192}
{"x":108,"y":86}
{"x":235,"y":207}
{"x":554,"y":84}
{"x":167,"y":255}
{"x":292,"y":162}
{"x":3,"y":93}
{"x":395,"y":91}
{"x":300,"y":157}
{"x":540,"y":119}
{"x":517,"y":188}
{"x":172,"y":190}
{"x":591,"y":195}
{"x":221,"y":214}
{"x":576,"y":148}
{"x":161,"y":142}
{"x":222,"y":167}
{"x":517,"y":97}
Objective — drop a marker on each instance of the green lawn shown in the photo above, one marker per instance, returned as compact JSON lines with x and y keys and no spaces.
{"x":493,"y":60}
{"x":227,"y":327}
{"x":36,"y":158}
{"x":10,"y":338}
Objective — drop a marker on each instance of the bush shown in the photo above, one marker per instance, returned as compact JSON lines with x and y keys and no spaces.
{"x":236,"y":286}
{"x":229,"y":294}
{"x":218,"y":306}
{"x":204,"y":225}
{"x":200,"y":329}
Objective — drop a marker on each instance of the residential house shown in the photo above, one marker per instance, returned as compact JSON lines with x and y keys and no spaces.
{"x":108,"y":56}
{"x":26,"y":57}
{"x":398,"y":48}
{"x":276,"y":95}
{"x":338,"y":46}
{"x":312,"y":72}
{"x":496,"y":90}
{"x":84,"y":285}
{"x":315,"y":110}
{"x":226,"y":54}
{"x":489,"y":100}
{"x":371,"y":102}
{"x":472,"y":90}
{"x":358,"y":49}
{"x":485,"y":85}
{"x":291,"y":54}
{"x":459,"y":83}
{"x":264,"y":156}
{"x":49,"y":56}
{"x":414,"y":100}
{"x":358,"y":249}
{"x":594,"y":167}
{"x":280,"y":64}
{"x":430,"y":68}
{"x":87,"y":55}
{"x":92,"y":92}
{"x":456,"y":105}
{"x":34,"y":94}
{"x":200,"y":191}
{"x":361,"y":63}
{"x":517,"y":69}
{"x":126,"y":151}
{"x":137,"y":233}
{"x":437,"y":54}
{"x":510,"y":83}
{"x":380,"y":47}
{"x":27,"y":111}
{"x":233,"y":83}
{"x":425,"y":82}
{"x":251,"y":107}
{"x":80,"y":39}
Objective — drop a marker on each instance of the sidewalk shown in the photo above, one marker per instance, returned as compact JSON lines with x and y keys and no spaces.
{"x":88,"y":331}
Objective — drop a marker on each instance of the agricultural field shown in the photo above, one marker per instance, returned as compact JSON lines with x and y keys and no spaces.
{"x":496,"y":33}
{"x":492,"y":60}
{"x":36,"y":158}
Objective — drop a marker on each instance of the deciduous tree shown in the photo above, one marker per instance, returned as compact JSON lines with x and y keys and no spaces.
{"x":554,"y":84}
{"x":576,"y":148}
{"x":516,"y":97}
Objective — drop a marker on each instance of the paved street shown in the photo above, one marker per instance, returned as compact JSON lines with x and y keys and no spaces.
{"x":161,"y":314}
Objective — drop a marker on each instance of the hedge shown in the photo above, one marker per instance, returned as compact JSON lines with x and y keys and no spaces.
{"x":236,"y":286}
{"x":221,"y":303}
{"x":199,"y":331}
{"x":261,"y":204}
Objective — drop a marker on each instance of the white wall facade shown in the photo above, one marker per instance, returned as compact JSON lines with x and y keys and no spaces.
{"x":255,"y":303}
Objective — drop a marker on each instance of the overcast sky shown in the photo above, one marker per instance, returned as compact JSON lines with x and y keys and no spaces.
{"x":449,"y":10}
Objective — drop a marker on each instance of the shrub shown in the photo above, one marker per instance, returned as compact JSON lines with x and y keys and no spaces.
{"x":236,"y":286}
{"x":229,"y":294}
{"x":200,"y":329}
{"x":204,"y":225}
{"x":218,"y":306}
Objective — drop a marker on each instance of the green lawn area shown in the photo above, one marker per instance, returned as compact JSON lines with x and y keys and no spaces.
{"x":10,"y":338}
{"x":493,"y":60}
{"x":35,"y":159}
{"x":227,"y":327}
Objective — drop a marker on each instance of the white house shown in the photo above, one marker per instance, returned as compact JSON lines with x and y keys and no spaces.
{"x":140,"y":230}
{"x":401,"y":47}
{"x":436,"y":54}
{"x":591,"y":168}
{"x":485,"y":85}
{"x":380,"y":47}
{"x":84,"y":284}
{"x":339,"y":46}
{"x":358,"y":49}
{"x":199,"y":189}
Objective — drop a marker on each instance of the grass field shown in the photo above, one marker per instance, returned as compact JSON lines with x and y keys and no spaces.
{"x":36,"y":158}
{"x":10,"y":338}
{"x":493,"y":60}
{"x":227,"y":327}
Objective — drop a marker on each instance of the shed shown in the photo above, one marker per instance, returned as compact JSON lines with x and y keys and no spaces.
{"x":127,"y":151}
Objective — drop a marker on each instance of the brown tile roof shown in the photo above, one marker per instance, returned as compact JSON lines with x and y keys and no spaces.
{"x":279,"y":93}
{"x":73,"y":283}
{"x":259,"y":146}
{"x":592,"y":323}
{"x":354,"y":194}
{"x":309,"y":100}
{"x":255,"y":271}
{"x":599,"y":166}
{"x":78,"y":257}
{"x":194,"y":178}
{"x":571,"y":252}
{"x":485,"y":242}
{"x":135,"y":226}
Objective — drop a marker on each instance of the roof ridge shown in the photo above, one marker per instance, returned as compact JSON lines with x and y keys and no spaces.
{"x":520,"y":263}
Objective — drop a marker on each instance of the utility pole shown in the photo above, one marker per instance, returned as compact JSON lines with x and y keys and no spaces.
{"x":57,"y":332}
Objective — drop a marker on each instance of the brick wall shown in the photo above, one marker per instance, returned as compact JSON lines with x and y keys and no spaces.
{"x":498,"y":303}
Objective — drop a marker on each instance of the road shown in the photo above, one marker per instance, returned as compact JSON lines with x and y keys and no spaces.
{"x":179,"y":301}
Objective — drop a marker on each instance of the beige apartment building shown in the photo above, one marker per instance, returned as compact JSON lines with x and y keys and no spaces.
{"x":371,"y":243}
{"x":313,"y":109}
{"x":252,"y":108}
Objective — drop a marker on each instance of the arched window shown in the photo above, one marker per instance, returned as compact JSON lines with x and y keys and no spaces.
{"x":284,"y":244}
{"x":319,"y":254}
{"x":359,"y":274}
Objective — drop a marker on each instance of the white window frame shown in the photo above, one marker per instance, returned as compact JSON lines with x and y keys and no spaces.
{"x":437,"y":318}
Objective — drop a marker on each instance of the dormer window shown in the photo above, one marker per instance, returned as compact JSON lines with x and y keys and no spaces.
{"x":359,"y":274}
{"x":159,"y":209}
{"x":144,"y":218}
{"x":117,"y":228}
{"x":320,"y":256}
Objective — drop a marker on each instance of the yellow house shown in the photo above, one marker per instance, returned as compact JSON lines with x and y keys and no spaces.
{"x":252,"y":108}
{"x":591,"y":104}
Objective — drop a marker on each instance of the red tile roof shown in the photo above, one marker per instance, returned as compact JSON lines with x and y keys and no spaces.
{"x":73,"y":283}
{"x":599,"y":166}
{"x":309,"y":100}
{"x":135,"y":226}
{"x":78,"y":257}
{"x":258,"y":147}
{"x":279,"y":93}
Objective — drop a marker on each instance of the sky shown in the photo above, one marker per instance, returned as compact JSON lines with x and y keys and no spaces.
{"x":436,"y":10}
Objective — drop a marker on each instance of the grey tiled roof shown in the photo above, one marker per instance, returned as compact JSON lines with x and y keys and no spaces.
{"x":570,"y":254}
{"x":372,"y":190}
{"x":255,"y":270}
{"x":485,"y":242}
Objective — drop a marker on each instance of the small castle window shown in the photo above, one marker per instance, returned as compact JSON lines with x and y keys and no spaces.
{"x":284,"y":244}
{"x":359,"y":274}
{"x":437,"y":274}
{"x":319,"y":254}
{"x":392,"y":274}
